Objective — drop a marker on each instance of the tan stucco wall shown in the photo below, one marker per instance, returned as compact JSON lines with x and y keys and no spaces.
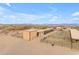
{"x":33,"y":35}
{"x":29,"y":35}
{"x":26,"y":35}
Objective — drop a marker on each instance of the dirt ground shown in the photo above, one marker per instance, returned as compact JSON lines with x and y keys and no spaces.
{"x":12,"y":45}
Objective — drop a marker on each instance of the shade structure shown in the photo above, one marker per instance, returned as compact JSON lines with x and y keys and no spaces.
{"x":74,"y":35}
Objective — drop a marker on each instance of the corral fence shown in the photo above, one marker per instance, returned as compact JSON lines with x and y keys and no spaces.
{"x":62,"y":38}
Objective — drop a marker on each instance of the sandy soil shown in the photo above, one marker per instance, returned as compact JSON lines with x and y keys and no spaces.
{"x":10,"y":45}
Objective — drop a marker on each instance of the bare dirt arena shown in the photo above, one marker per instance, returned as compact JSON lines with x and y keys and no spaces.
{"x":10,"y":45}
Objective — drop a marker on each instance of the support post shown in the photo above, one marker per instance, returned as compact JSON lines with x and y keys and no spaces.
{"x":29,"y":36}
{"x":71,"y":39}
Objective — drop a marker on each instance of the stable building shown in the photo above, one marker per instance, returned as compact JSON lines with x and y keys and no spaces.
{"x":29,"y":34}
{"x":35,"y":33}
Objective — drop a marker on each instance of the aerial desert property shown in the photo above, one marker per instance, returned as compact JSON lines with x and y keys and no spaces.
{"x":39,"y":29}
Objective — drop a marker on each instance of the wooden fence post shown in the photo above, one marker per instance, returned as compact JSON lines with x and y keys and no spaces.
{"x":71,"y":39}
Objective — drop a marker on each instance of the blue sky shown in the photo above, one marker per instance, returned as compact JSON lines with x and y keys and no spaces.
{"x":39,"y":13}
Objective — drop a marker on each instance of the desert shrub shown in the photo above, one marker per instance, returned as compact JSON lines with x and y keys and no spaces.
{"x":10,"y":28}
{"x":40,"y":27}
{"x":22,"y":27}
{"x":76,"y":27}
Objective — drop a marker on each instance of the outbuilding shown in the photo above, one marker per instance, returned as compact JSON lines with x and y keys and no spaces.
{"x":29,"y":34}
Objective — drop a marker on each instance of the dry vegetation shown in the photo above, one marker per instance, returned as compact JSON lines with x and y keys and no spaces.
{"x":22,"y":27}
{"x":61,"y":37}
{"x":8,"y":28}
{"x":15,"y":44}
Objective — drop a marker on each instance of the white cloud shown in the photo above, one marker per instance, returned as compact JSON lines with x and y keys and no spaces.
{"x":6,"y":14}
{"x":33,"y":16}
{"x":12,"y":17}
{"x":71,"y":20}
{"x":75,"y":14}
{"x":2,"y":10}
{"x":54,"y":18}
{"x":75,"y":19}
{"x":8,"y":4}
{"x":25,"y":18}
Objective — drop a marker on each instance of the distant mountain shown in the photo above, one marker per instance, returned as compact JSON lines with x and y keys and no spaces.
{"x":63,"y":24}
